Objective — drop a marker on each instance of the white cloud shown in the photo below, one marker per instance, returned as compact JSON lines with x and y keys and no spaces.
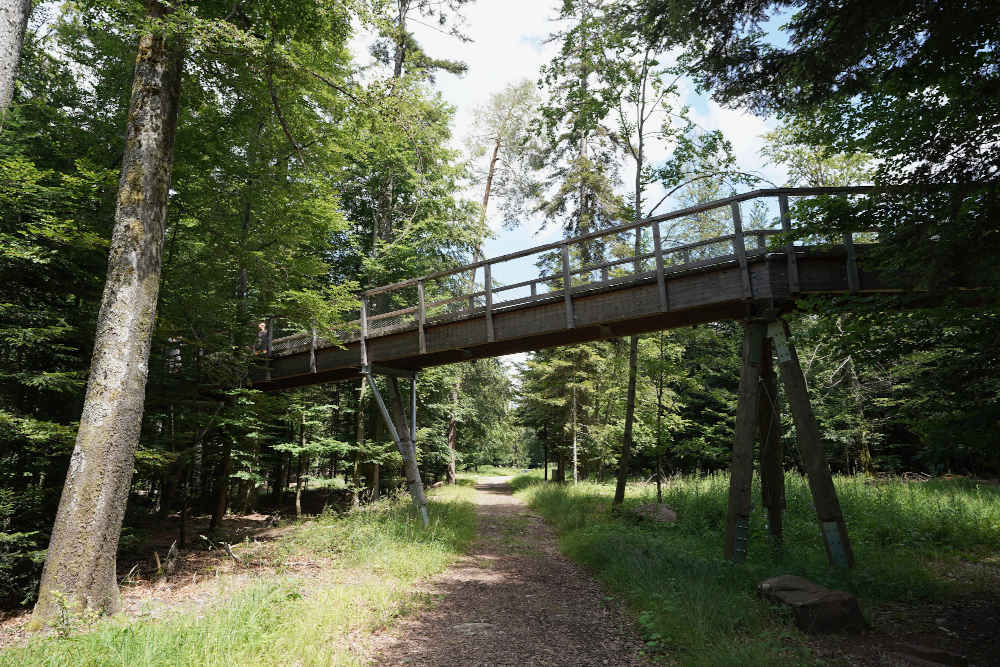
{"x":508,"y":45}
{"x":745,"y":130}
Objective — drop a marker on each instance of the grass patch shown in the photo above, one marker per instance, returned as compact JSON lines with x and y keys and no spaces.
{"x":702,"y":609}
{"x":491,"y":471}
{"x":370,"y":559}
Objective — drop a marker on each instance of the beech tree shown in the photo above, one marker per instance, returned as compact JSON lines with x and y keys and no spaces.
{"x":13,"y":23}
{"x":81,"y":556}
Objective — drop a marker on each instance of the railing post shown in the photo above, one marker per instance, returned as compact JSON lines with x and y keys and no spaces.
{"x":312,"y":351}
{"x":853,"y":278}
{"x":661,"y":282}
{"x":488,"y":286}
{"x":364,"y":331}
{"x":421,"y":317}
{"x":472,"y":288}
{"x":786,"y":227}
{"x":267,"y":347}
{"x":567,"y":286}
{"x":739,"y":245}
{"x":534,"y":288}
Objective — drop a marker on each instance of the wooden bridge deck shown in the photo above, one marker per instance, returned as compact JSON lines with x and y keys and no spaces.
{"x":661,"y":288}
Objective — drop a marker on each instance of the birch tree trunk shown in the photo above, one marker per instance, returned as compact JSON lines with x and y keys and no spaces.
{"x":81,"y":556}
{"x":13,"y":23}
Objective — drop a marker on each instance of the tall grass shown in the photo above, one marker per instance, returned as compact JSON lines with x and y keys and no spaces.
{"x":370,"y":559}
{"x":704,"y":609}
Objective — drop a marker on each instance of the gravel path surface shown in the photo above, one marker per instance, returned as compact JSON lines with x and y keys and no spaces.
{"x":514,"y":600}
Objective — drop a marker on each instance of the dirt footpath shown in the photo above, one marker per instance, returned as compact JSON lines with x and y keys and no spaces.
{"x":514,"y":600}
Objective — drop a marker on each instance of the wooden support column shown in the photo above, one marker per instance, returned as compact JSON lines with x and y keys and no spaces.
{"x":772,"y":475}
{"x":786,"y":227}
{"x":741,"y":470}
{"x":739,"y":247}
{"x":831,"y":519}
{"x":421,"y":317}
{"x":567,"y":286}
{"x":488,"y":286}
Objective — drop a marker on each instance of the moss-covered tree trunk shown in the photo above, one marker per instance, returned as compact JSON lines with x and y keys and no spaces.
{"x":81,"y":556}
{"x":13,"y":23}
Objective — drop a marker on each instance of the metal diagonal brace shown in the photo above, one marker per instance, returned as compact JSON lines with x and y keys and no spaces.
{"x":408,"y":448}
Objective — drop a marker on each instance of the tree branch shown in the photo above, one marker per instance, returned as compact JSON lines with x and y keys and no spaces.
{"x":281,"y":116}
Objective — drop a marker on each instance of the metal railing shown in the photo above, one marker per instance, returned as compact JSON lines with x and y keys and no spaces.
{"x":602,"y":259}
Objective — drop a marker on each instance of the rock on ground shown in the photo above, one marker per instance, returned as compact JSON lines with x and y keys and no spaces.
{"x":817,"y":609}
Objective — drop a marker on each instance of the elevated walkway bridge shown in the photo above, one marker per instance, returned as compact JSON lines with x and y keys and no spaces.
{"x":466,"y":313}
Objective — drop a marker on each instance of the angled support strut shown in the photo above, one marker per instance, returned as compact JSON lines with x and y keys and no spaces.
{"x":403,"y":434}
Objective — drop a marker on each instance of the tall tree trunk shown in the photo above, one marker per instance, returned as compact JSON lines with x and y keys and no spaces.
{"x":13,"y":23}
{"x":185,"y":506}
{"x":399,"y":57}
{"x":360,"y":430}
{"x":633,"y":348}
{"x":659,"y":426}
{"x":81,"y":555}
{"x":375,"y":480}
{"x":453,"y":431}
{"x":625,"y":461}
{"x":477,"y":256}
{"x":575,"y":461}
{"x":223,"y":472}
{"x":169,"y":478}
{"x":279,"y":492}
{"x":299,"y":475}
{"x":299,"y":470}
{"x":638,"y":153}
{"x":545,"y":456}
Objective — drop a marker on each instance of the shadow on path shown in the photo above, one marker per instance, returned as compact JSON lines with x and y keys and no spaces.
{"x":514,"y":600}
